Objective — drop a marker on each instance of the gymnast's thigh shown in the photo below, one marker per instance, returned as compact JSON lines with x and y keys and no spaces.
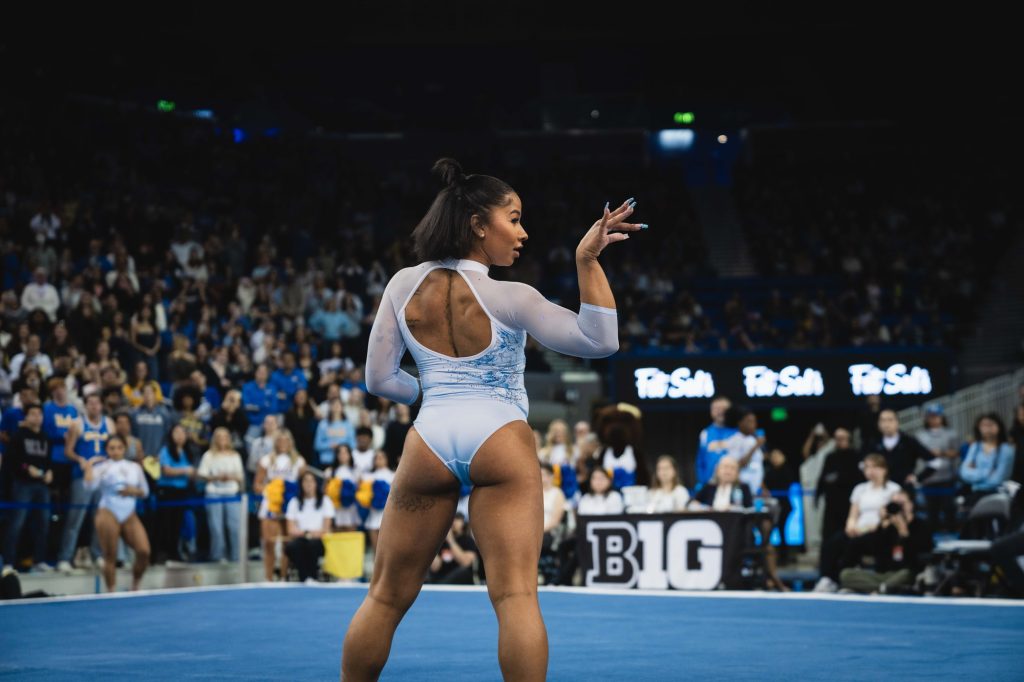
{"x":417,"y":516}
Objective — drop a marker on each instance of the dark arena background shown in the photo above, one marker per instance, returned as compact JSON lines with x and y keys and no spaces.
{"x":200,"y":207}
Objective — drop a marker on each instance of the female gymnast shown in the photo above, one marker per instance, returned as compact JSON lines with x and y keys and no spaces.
{"x":466,"y":333}
{"x":121,"y":483}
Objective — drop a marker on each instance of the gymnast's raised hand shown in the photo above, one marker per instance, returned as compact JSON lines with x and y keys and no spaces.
{"x":610,"y":227}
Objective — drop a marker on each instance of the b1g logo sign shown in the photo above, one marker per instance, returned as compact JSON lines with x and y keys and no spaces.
{"x":685,"y":554}
{"x":866,"y":379}
{"x":763,"y":382}
{"x":651,"y":382}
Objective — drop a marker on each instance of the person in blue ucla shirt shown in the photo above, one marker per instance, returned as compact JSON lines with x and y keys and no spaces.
{"x":86,"y":439}
{"x":58,"y":416}
{"x":712,"y":441}
{"x":286,"y":380}
{"x":260,"y":400}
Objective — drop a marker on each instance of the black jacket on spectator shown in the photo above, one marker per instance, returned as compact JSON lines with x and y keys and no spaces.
{"x":839,"y":476}
{"x":706,"y":495}
{"x":1017,"y":436}
{"x":895,"y":553}
{"x":237,"y":424}
{"x":27,"y":448}
{"x":902,"y":458}
{"x":394,"y":440}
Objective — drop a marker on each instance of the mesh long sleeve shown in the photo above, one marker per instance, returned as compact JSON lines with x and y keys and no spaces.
{"x":384,"y":377}
{"x":593,"y":333}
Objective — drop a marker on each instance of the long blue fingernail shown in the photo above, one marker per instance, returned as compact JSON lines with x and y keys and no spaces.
{"x":633,"y":205}
{"x":606,"y":205}
{"x":644,"y":226}
{"x":630,"y":199}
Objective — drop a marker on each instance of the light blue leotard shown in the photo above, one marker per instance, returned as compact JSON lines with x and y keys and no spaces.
{"x":467,"y":399}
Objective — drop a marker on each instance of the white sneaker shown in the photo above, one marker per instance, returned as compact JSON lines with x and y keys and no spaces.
{"x":43,"y":567}
{"x":826,"y":584}
{"x":65,"y":567}
{"x":311,"y":581}
{"x":99,"y":563}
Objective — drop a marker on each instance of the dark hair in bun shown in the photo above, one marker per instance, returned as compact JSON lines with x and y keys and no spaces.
{"x":445,"y":231}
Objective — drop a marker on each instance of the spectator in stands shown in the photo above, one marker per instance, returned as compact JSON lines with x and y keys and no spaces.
{"x":778,"y":477}
{"x":331,"y":432}
{"x":941,"y":470}
{"x":151,"y":422}
{"x":589,"y":458}
{"x":840,"y":474}
{"x":554,"y":508}
{"x":260,"y":400}
{"x":302,"y":422}
{"x":46,"y":223}
{"x":556,"y":444}
{"x":32,"y":356}
{"x":119,"y":483}
{"x":667,"y":495}
{"x":363,"y":453}
{"x":1017,"y":439}
{"x":286,"y":465}
{"x":395,"y":432}
{"x":133,"y":450}
{"x":177,"y":471}
{"x":942,"y":442}
{"x":988,"y":462}
{"x":180,"y":361}
{"x":600,"y":498}
{"x":232,"y":417}
{"x":745,"y":446}
{"x":725,"y":491}
{"x":58,"y":417}
{"x":866,"y":503}
{"x":347,"y":515}
{"x":145,"y":339}
{"x":41,"y":295}
{"x":28,"y":459}
{"x":455,"y":562}
{"x":902,"y":452}
{"x":186,"y":398}
{"x":134,"y":391}
{"x":309,"y":516}
{"x":580,"y":431}
{"x":286,"y":380}
{"x":867,"y":424}
{"x":221,"y":468}
{"x":333,"y":324}
{"x":86,"y":438}
{"x":898,"y":546}
{"x":712,"y":441}
{"x":204,"y":407}
{"x":264,"y":445}
{"x":382,"y":477}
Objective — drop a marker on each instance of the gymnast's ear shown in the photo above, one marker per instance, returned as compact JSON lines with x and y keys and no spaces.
{"x":477,"y":224}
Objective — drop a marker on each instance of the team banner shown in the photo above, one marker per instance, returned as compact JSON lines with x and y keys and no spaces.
{"x":814,"y":379}
{"x":663,"y":551}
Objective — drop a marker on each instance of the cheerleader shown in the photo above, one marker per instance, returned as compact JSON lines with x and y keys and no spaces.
{"x":286,"y":465}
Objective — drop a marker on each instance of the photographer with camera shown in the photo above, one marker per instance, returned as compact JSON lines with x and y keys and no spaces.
{"x":897,"y":546}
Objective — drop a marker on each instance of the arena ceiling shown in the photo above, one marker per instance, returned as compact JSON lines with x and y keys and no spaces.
{"x":372,"y":65}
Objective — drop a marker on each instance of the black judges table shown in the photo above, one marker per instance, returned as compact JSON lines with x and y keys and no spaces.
{"x":683,"y":551}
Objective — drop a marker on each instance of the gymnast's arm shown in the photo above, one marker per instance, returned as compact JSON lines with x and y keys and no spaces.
{"x":593,"y":333}
{"x":384,"y":377}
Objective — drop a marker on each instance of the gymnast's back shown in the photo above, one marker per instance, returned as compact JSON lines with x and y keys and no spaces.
{"x":467,"y":333}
